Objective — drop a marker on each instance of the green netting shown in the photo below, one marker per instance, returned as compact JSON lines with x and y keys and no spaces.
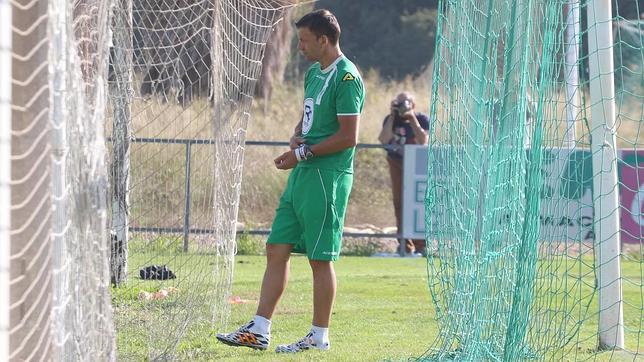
{"x":535,"y":192}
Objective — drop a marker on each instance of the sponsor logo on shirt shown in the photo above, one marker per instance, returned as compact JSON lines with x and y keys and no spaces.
{"x":348,"y":77}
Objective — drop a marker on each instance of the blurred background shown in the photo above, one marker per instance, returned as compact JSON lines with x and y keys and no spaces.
{"x":393,"y":45}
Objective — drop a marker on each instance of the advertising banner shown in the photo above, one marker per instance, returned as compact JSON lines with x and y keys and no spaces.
{"x":566,"y":199}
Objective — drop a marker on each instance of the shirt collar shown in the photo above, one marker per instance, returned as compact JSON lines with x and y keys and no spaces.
{"x":332,"y":65}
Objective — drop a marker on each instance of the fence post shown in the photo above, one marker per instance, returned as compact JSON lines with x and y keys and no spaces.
{"x":120,"y":97}
{"x":186,"y":212}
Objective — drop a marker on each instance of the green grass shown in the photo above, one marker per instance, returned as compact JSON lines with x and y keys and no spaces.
{"x":383,"y":310}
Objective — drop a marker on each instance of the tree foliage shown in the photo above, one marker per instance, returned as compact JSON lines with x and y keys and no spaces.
{"x":394,"y":37}
{"x":397,"y":38}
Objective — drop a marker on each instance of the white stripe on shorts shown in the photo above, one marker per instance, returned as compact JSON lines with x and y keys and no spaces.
{"x":325,"y":209}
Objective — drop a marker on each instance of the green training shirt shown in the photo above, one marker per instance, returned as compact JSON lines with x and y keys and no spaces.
{"x":328,"y":93}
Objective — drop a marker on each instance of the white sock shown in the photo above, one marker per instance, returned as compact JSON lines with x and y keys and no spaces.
{"x":261,"y":325}
{"x":320,"y":335}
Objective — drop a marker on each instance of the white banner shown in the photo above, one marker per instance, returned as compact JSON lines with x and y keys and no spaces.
{"x":566,"y":200}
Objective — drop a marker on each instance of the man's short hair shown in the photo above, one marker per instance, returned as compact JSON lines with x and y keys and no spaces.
{"x":405,"y":95}
{"x":321,"y":22}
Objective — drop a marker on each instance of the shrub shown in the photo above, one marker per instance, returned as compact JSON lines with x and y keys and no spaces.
{"x":250,"y":245}
{"x":367,"y":246}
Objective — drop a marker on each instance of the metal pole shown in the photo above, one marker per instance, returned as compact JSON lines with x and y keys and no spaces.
{"x":605,"y":186}
{"x":573,"y":102}
{"x":186,"y":214}
{"x":121,"y":99}
{"x":5,"y":173}
{"x":58,"y":113}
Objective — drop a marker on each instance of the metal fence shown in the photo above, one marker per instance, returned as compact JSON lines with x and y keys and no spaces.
{"x":187,"y":230}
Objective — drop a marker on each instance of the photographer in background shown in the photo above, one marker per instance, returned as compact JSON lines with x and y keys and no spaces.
{"x":403,"y":126}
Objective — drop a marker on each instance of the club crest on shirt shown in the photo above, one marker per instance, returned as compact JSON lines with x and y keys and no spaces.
{"x":307,"y":116}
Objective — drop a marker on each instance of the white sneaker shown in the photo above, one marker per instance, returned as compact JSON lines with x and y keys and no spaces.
{"x":302,"y":345}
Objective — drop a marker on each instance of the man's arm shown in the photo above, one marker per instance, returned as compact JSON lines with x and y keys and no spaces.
{"x":419,"y":133}
{"x":296,"y":138}
{"x":387,"y":132}
{"x":345,"y":137}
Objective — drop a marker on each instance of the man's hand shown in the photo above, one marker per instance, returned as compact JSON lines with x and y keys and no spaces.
{"x":296,"y":141}
{"x":392,"y":109}
{"x":286,"y":161}
{"x":409,"y":115}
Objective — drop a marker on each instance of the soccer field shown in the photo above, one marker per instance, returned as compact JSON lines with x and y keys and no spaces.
{"x":383,"y":311}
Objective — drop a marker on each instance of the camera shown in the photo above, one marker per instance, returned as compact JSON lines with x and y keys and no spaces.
{"x":401,"y":108}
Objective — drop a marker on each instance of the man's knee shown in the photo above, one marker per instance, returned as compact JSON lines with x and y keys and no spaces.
{"x":321,"y":265}
{"x":278,"y":253}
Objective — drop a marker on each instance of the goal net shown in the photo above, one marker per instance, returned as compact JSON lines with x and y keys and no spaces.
{"x":534,"y":198}
{"x":120,"y":171}
{"x":182,"y":78}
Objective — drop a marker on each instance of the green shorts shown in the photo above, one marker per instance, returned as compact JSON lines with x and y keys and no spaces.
{"x":310,"y":215}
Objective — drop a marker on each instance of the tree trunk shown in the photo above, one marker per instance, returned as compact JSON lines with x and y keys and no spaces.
{"x":276,"y":56}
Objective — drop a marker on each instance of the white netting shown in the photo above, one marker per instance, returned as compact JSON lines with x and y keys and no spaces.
{"x":182,"y":76}
{"x":59,"y":299}
{"x":82,"y":315}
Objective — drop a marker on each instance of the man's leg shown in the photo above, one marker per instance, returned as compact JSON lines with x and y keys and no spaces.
{"x":324,"y":285}
{"x":257,"y":333}
{"x":275,"y":278}
{"x":395,"y":172}
{"x":285,"y":232}
{"x":322,"y":207}
{"x":420,"y":245}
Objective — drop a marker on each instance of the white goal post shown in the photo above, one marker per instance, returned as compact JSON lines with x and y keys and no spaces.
{"x":606,"y":190}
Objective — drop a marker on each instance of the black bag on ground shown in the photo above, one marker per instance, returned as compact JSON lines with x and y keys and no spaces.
{"x":156,"y":272}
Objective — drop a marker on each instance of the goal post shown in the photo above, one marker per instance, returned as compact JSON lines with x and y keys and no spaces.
{"x":59,"y":112}
{"x":571,"y":68}
{"x":605,"y":186}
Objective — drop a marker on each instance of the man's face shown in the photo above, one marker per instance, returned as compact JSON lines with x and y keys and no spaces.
{"x":404,"y":98}
{"x":310,"y":45}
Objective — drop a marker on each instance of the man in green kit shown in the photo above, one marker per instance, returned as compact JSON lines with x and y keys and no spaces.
{"x":310,"y":215}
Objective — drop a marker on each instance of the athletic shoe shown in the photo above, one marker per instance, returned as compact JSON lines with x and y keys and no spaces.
{"x":243,"y":337}
{"x":303,"y":344}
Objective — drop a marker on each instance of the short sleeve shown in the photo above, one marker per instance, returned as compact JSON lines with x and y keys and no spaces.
{"x":423,"y":121}
{"x":350,"y":94}
{"x":306,"y":76}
